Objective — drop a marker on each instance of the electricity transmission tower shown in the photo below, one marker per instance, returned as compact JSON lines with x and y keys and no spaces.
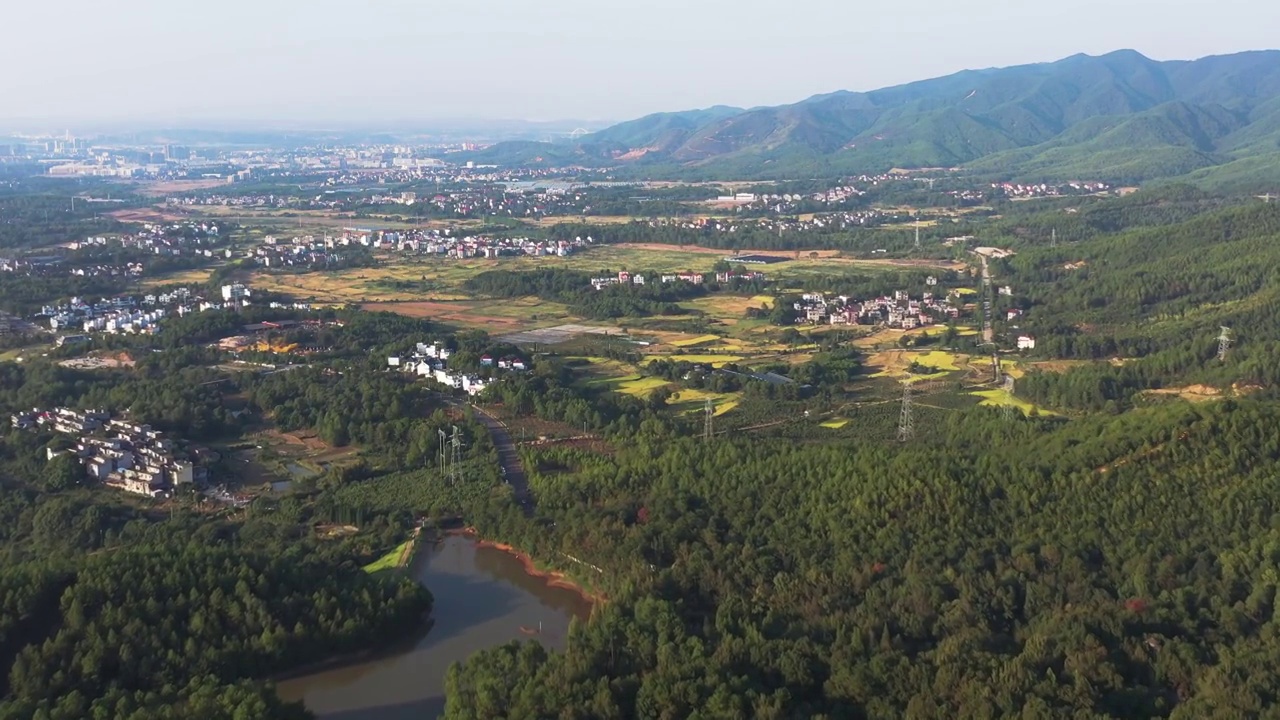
{"x":444,"y":440}
{"x":455,"y":460}
{"x":1009,"y":410}
{"x":917,"y":232}
{"x":1224,"y":343}
{"x":995,"y":366}
{"x":1053,"y":239}
{"x":906,"y":426}
{"x":708,"y":427}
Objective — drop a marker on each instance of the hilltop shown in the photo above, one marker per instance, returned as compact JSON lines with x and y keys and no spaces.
{"x":1120,"y":116}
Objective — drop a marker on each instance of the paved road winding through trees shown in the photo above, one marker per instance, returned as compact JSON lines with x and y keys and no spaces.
{"x":508,"y":457}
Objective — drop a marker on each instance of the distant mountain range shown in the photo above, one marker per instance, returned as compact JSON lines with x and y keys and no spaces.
{"x":1121,"y":117}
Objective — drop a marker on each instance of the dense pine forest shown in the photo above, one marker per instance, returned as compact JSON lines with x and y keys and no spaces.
{"x":1119,"y":567}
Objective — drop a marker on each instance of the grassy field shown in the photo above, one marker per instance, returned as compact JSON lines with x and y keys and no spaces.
{"x":390,"y":561}
{"x":726,"y":308}
{"x":1003,"y":398}
{"x":447,"y":275}
{"x":24,"y":352}
{"x":198,"y":276}
{"x":298,"y":219}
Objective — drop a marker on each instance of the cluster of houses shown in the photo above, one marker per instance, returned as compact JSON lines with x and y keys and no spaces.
{"x":627,"y":278}
{"x":825,"y":221}
{"x":57,"y":265}
{"x":432,"y":361}
{"x":1032,"y":190}
{"x":898,"y":311}
{"x":311,"y":251}
{"x":128,"y":314}
{"x":172,"y":239}
{"x":119,"y":454}
{"x":485,"y":247}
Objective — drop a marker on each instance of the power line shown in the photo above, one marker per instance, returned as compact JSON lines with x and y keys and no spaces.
{"x":906,"y":426}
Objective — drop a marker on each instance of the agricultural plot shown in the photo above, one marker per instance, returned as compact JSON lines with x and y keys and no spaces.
{"x":694,"y":400}
{"x":509,"y":315}
{"x":634,"y":385}
{"x":699,"y":340}
{"x":712,"y":360}
{"x":725,"y":308}
{"x":897,"y":364}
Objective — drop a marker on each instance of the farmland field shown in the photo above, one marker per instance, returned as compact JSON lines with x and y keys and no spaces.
{"x":693,"y":400}
{"x":1002,"y":398}
{"x":699,"y":340}
{"x":895,"y":363}
{"x":636,"y":385}
{"x":713,"y":360}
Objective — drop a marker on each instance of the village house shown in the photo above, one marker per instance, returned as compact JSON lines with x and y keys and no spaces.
{"x":129,"y":456}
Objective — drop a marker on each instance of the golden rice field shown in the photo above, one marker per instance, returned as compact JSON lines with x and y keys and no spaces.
{"x":636,"y":385}
{"x":700,"y":340}
{"x":895,"y":363}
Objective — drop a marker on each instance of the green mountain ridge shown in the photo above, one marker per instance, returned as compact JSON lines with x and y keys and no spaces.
{"x":1120,"y":116}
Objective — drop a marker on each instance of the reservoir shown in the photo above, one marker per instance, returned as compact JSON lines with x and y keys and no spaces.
{"x":483,"y":598}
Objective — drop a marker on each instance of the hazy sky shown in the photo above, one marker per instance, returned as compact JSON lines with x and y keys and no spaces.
{"x":317,"y":61}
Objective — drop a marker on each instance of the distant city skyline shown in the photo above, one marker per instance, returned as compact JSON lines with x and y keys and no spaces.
{"x":323,"y":63}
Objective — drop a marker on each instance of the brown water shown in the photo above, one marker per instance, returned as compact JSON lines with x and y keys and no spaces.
{"x":483,"y":597}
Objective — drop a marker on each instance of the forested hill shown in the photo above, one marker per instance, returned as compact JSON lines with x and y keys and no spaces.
{"x":1120,"y":116}
{"x":1114,"y":567}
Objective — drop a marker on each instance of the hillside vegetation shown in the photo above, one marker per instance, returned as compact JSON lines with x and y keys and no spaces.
{"x":1120,"y":117}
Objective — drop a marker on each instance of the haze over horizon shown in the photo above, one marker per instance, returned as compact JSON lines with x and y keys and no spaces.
{"x":396,"y":61}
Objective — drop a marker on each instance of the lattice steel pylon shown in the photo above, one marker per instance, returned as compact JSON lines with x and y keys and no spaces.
{"x":1009,"y":410}
{"x":906,"y":425}
{"x":444,"y":441}
{"x":708,"y":427}
{"x":1224,"y":343}
{"x":455,"y":459}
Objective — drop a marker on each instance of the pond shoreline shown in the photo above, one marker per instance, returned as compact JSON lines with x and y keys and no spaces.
{"x":553,"y":578}
{"x":422,"y":627}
